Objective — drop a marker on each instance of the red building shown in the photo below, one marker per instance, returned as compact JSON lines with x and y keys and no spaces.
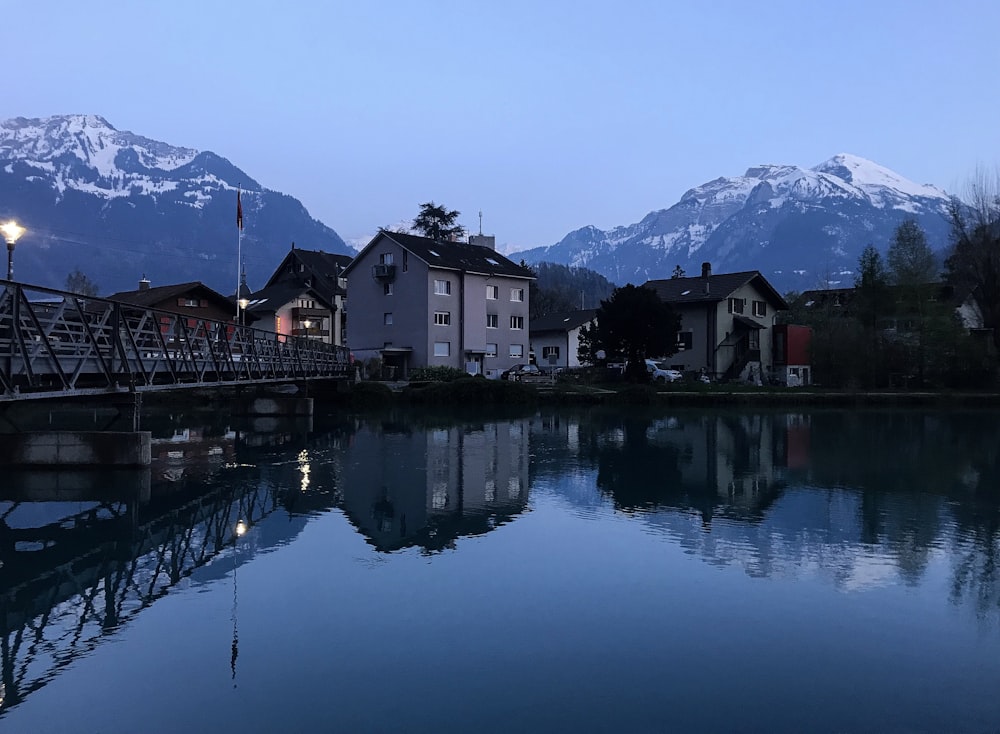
{"x":791,"y":344}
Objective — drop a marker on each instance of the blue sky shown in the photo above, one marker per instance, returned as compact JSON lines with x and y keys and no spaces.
{"x":547,"y":116}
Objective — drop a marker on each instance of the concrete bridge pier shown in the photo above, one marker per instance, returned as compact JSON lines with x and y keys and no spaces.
{"x":94,"y":434}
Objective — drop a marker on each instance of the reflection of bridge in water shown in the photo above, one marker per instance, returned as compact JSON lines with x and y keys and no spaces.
{"x":67,"y":583}
{"x":59,"y":344}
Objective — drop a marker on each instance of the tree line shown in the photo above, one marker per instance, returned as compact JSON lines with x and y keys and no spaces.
{"x":902,"y":323}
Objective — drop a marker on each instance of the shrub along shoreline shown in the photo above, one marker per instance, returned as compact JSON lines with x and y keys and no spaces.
{"x":473,"y":391}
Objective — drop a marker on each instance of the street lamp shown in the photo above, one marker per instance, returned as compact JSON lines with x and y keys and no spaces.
{"x":11,"y":232}
{"x":244,"y":302}
{"x":307,"y":323}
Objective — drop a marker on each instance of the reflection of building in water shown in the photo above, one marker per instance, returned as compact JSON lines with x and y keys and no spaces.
{"x":428,"y":487}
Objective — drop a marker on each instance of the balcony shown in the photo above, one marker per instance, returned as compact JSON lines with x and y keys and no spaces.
{"x":300,"y":313}
{"x":384,"y":272}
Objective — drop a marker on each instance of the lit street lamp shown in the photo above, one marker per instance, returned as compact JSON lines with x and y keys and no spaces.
{"x":244,"y":302}
{"x":11,"y":232}
{"x":308,"y":324}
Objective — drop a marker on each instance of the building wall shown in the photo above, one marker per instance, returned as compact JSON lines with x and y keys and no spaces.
{"x":699,"y":320}
{"x":367,"y":332}
{"x":726,"y":325}
{"x":413,"y":305}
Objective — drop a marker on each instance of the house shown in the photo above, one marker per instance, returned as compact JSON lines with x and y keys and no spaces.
{"x":191,"y":299}
{"x":419,"y":302}
{"x":727,"y":323}
{"x":313,"y":282}
{"x":292,"y":309}
{"x":555,"y":337}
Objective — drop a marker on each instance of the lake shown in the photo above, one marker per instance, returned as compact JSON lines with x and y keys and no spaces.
{"x":563,"y":570}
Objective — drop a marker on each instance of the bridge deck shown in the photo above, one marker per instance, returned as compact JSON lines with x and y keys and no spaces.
{"x":54,"y":343}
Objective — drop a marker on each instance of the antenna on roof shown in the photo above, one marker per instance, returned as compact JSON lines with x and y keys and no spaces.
{"x":480,"y":222}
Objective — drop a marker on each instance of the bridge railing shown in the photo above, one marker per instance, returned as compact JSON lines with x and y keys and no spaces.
{"x":53,"y":341}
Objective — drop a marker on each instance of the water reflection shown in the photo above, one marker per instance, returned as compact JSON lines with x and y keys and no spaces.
{"x":861,"y":498}
{"x":406,"y":486}
{"x":857,"y":501}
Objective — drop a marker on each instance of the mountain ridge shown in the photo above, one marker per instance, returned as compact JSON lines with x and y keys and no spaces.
{"x":798,"y":226}
{"x":120,"y":205}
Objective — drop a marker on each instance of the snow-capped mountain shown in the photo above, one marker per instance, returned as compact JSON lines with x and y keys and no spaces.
{"x":118,"y":206}
{"x":798,"y":226}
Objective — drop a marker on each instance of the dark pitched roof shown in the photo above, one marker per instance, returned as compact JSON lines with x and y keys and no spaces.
{"x":151,"y":296}
{"x":451,"y":255}
{"x":563,"y":321}
{"x":273,"y":297}
{"x":322,"y":268}
{"x":678,"y":291}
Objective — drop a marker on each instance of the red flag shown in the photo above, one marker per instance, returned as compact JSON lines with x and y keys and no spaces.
{"x":239,"y":211}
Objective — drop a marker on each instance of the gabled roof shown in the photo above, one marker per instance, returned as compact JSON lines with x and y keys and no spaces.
{"x":563,"y":321}
{"x":449,"y":255}
{"x":150,"y":297}
{"x":273,"y":297}
{"x":323,"y":268}
{"x":679,"y":291}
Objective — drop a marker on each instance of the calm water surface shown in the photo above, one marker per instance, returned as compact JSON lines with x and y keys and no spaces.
{"x":561,"y":571}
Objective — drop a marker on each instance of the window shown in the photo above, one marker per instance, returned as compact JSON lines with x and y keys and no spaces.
{"x":442,"y":287}
{"x":550,"y":352}
{"x":492,"y":321}
{"x":736,"y":305}
{"x":517,"y":350}
{"x":685,"y":340}
{"x":492,"y":292}
{"x":442,"y":349}
{"x":517,"y":322}
{"x":759,"y":308}
{"x":517,"y":294}
{"x":307,"y":303}
{"x":442,"y":318}
{"x":491,"y":350}
{"x":387,"y":319}
{"x":387,"y":288}
{"x":189,"y":302}
{"x":405,"y":261}
{"x":385,"y":258}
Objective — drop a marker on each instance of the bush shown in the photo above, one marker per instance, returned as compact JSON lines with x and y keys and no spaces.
{"x":437,"y":374}
{"x":369,"y":395}
{"x":471,"y":391}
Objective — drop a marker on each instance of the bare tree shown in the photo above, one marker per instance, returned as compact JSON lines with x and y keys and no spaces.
{"x":974,"y":262}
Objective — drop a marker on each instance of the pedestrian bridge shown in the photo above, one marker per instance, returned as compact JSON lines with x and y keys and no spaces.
{"x":58,"y":344}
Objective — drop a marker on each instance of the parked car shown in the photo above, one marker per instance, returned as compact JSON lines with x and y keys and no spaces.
{"x":659,"y":374}
{"x":520,"y":370}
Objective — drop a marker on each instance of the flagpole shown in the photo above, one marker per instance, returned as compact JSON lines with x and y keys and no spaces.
{"x":239,"y":246}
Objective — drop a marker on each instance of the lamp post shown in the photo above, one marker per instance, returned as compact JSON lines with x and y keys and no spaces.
{"x":11,"y":232}
{"x":308,"y":325}
{"x":243,"y":302}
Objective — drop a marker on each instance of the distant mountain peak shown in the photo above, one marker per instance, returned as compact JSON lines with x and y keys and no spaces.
{"x":790,"y":222}
{"x":80,"y":184}
{"x":863,"y":172}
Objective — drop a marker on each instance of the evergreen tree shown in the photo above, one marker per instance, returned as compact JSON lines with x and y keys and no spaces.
{"x":678,"y":273}
{"x":438,"y":223}
{"x":872,"y":302}
{"x":632,"y":324}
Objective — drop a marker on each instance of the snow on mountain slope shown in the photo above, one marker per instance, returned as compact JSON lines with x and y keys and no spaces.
{"x":120,"y":204}
{"x":776,"y":218}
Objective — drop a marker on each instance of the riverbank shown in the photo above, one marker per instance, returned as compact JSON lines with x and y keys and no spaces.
{"x":478,"y":391}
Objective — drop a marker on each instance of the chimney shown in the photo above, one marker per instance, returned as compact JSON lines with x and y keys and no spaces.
{"x":483,"y":240}
{"x":706,"y":270}
{"x":144,"y":283}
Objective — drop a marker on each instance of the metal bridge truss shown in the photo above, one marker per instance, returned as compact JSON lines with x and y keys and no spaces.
{"x":57,"y":343}
{"x":48,"y":621}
